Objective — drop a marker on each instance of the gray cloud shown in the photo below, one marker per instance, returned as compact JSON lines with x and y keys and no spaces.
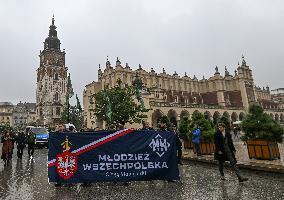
{"x":191,"y":36}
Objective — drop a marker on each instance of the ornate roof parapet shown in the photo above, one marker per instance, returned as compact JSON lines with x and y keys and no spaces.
{"x":127,"y":66}
{"x":118,"y":63}
{"x":152,"y":71}
{"x":195,"y":78}
{"x":203,"y":79}
{"x":100,"y":73}
{"x":175,"y":73}
{"x":226,"y":71}
{"x":108,"y":65}
{"x":185,"y":75}
{"x":217,"y":71}
{"x":244,"y":63}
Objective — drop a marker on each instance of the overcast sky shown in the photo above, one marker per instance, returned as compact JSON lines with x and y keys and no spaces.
{"x":179,"y":35}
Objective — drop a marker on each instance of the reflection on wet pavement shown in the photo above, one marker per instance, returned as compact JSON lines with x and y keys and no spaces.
{"x":27,"y":179}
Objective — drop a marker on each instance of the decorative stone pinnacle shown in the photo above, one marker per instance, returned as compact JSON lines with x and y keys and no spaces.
{"x":216,"y":70}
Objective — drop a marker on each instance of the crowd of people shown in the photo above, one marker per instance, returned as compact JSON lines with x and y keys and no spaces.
{"x":20,"y":140}
{"x":224,"y":147}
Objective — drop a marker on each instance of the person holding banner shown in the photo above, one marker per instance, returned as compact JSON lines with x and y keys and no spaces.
{"x":146,"y":126}
{"x":178,"y":144}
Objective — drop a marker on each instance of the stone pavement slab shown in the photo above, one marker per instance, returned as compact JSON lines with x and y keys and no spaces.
{"x":275,"y":166}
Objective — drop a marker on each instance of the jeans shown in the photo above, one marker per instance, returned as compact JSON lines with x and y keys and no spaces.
{"x":233,"y":164}
{"x":20,"y":152}
{"x":197,"y":148}
{"x":31,"y":149}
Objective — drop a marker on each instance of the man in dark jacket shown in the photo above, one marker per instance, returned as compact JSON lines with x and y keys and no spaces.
{"x":178,"y":144}
{"x":31,"y":140}
{"x":225,"y":151}
{"x":21,"y":143}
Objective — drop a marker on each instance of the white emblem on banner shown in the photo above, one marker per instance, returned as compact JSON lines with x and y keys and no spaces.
{"x":159,"y":145}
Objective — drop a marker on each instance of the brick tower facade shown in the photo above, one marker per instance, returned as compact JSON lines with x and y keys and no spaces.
{"x":51,"y":80}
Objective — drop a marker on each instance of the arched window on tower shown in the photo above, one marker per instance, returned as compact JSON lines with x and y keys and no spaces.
{"x":56,"y":96}
{"x":57,"y":111}
{"x":176,"y":99}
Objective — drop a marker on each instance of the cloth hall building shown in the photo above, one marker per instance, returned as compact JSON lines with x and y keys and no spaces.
{"x":177,"y":96}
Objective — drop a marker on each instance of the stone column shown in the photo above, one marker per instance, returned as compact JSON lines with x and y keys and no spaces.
{"x":220,"y":98}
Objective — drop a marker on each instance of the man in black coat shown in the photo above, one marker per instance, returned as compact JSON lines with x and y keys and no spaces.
{"x":225,"y":151}
{"x":21,"y":143}
{"x":178,"y":145}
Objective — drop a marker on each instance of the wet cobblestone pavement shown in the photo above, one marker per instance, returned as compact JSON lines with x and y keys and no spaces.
{"x":27,"y":179}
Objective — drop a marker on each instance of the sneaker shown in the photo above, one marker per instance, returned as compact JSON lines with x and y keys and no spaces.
{"x":243,"y":179}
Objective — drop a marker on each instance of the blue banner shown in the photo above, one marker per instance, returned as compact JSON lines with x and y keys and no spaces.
{"x":124,"y":155}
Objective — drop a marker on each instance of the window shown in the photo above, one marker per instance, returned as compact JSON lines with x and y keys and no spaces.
{"x":57,"y":111}
{"x":176,"y":99}
{"x":56,"y":76}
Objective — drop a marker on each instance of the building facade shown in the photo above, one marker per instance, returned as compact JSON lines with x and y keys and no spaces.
{"x":51,"y":80}
{"x":176,"y":96}
{"x":24,"y":114}
{"x":6,"y":113}
{"x":19,"y":115}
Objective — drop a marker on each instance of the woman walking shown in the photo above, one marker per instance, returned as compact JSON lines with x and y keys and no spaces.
{"x":7,"y":148}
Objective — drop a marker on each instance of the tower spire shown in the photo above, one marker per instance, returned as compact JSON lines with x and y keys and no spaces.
{"x":53,"y":19}
{"x":52,"y":41}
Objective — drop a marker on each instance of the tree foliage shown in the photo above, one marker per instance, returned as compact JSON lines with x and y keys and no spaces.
{"x":118,"y":105}
{"x":205,"y":125}
{"x":5,"y":127}
{"x":184,"y":128}
{"x":166,"y":120}
{"x":76,"y":116}
{"x":259,"y":125}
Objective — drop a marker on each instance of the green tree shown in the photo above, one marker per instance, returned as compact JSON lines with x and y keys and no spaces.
{"x":225,"y":121}
{"x":75,"y":116}
{"x":5,"y":127}
{"x":184,"y":128}
{"x":165,"y":119}
{"x":259,"y":125}
{"x":118,"y":105}
{"x":206,"y":126}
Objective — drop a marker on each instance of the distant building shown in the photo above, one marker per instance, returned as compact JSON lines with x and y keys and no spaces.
{"x":177,"y":96}
{"x":24,"y":114}
{"x":51,"y":80}
{"x":278,"y":96}
{"x":6,"y":113}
